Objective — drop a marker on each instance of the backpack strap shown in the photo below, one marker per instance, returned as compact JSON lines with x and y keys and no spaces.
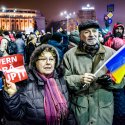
{"x":5,"y":38}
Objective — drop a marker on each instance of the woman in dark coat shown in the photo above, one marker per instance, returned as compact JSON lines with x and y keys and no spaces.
{"x":43,"y":98}
{"x":30,"y":47}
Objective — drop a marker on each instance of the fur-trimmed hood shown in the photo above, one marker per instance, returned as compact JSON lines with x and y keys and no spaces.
{"x":36,"y":53}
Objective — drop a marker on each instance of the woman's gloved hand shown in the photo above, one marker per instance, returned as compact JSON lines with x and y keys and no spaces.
{"x":105,"y":80}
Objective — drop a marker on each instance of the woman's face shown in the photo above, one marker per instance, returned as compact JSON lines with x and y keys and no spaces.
{"x":45,"y":63}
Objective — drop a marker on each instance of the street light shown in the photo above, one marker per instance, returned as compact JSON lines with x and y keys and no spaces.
{"x":3,"y":8}
{"x":15,"y":10}
{"x":67,"y":16}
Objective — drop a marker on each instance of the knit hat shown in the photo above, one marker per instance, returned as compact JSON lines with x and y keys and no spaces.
{"x":88,"y":24}
{"x":19,"y":35}
{"x":6,"y":33}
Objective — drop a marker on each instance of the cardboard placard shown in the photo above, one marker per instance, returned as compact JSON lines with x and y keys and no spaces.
{"x":13,"y":67}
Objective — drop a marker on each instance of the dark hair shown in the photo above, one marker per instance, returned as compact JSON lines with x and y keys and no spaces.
{"x":6,"y":33}
{"x":1,"y":74}
{"x":44,"y":39}
{"x":57,"y":37}
{"x":1,"y":32}
{"x":19,"y":35}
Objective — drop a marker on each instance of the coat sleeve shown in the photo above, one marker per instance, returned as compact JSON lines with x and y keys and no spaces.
{"x":1,"y":106}
{"x":14,"y":106}
{"x":109,"y":42}
{"x":73,"y":80}
{"x":117,"y":86}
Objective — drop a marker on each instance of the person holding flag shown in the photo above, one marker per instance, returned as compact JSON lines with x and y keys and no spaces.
{"x":89,"y":85}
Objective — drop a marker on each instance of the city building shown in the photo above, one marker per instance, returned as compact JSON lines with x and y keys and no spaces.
{"x":69,"y":24}
{"x":71,"y":21}
{"x":68,"y":21}
{"x":86,"y":14}
{"x":21,"y":19}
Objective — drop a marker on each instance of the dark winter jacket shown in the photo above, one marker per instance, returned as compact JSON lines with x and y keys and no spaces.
{"x":119,"y":102}
{"x":1,"y":108}
{"x":27,"y":105}
{"x":58,"y":46}
{"x":119,"y":107}
{"x":74,"y":37}
{"x":29,"y":50}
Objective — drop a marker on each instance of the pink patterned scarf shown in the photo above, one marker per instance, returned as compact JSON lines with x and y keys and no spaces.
{"x":55,"y":104}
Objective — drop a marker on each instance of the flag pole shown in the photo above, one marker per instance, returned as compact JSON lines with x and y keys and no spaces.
{"x":109,"y":59}
{"x":100,"y":68}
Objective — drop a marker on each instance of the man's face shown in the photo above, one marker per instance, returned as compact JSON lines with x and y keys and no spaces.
{"x":119,"y":32}
{"x":119,"y":29}
{"x":90,"y":36}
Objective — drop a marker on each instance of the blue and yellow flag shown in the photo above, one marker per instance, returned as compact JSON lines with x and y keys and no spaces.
{"x":116,"y":65}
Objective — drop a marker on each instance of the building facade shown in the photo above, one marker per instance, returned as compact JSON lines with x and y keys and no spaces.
{"x":21,"y":19}
{"x":84,"y":15}
{"x":71,"y":24}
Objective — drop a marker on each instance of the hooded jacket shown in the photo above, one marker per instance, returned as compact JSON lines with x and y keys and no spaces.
{"x":116,"y":26}
{"x":110,"y":41}
{"x":27,"y":105}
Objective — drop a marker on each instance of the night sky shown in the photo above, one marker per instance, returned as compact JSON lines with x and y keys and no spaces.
{"x":51,"y":8}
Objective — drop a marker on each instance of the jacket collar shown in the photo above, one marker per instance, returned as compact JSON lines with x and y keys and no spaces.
{"x":101,"y":52}
{"x":34,"y":76}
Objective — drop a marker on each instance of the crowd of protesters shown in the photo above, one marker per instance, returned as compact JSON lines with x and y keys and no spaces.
{"x":62,"y":88}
